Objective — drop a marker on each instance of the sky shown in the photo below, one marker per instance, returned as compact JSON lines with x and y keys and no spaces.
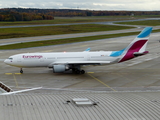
{"x":135,"y":5}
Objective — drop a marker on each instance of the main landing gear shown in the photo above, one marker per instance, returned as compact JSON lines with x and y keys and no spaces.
{"x":77,"y":71}
{"x":21,"y":71}
{"x":82,"y":71}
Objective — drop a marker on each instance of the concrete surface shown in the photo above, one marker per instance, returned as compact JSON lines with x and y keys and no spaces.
{"x":128,"y":90}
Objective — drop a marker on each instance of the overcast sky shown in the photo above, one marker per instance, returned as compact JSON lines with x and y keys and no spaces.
{"x":84,"y":4}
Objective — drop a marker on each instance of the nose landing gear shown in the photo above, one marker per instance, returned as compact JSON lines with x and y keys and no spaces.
{"x":21,"y":71}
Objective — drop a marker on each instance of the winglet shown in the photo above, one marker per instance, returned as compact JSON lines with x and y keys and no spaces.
{"x":87,"y":50}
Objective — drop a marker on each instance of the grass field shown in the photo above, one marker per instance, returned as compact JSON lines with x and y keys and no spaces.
{"x":56,"y":21}
{"x":55,"y":30}
{"x":67,"y":29}
{"x":63,"y":20}
{"x":146,"y":22}
{"x":64,"y":41}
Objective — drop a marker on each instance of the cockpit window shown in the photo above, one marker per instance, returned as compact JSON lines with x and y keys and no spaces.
{"x":10,"y":58}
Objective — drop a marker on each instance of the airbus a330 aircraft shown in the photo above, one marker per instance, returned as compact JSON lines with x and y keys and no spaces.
{"x":64,"y":61}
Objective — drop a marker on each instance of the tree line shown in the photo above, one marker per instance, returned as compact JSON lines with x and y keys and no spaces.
{"x":28,"y":14}
{"x":13,"y":15}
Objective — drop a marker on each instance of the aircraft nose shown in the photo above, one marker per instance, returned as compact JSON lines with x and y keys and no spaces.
{"x":6,"y":61}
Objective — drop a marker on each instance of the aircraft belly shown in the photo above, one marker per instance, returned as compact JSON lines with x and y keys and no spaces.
{"x":31,"y":63}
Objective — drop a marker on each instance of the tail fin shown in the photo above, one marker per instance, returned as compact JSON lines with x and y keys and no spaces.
{"x":137,"y":46}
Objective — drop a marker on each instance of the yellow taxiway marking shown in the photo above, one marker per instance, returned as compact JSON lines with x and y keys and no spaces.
{"x":101,"y":82}
{"x":8,"y":73}
{"x":13,"y":73}
{"x":14,"y":77}
{"x":15,"y":80}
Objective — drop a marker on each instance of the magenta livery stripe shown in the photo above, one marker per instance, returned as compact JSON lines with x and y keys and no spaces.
{"x":134,"y":48}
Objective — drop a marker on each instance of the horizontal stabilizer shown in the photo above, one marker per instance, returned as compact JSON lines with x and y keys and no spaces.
{"x":136,"y":54}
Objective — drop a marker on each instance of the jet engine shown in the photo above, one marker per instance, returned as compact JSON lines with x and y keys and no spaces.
{"x":60,"y":68}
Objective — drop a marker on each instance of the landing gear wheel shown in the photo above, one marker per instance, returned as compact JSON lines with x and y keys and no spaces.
{"x":73,"y":70}
{"x":21,"y":71}
{"x":77,"y":72}
{"x":82,"y":71}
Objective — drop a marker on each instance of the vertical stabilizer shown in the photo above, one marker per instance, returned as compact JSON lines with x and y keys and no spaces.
{"x":137,"y":46}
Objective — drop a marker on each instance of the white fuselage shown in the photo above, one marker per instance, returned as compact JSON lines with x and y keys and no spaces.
{"x":48,"y":59}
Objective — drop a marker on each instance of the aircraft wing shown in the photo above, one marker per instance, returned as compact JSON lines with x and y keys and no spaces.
{"x":82,"y":62}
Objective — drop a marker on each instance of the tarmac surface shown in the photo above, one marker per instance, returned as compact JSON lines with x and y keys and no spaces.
{"x":128,"y":90}
{"x":139,"y":72}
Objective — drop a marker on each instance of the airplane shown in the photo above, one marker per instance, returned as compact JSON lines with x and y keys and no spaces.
{"x":64,"y":61}
{"x":5,"y":90}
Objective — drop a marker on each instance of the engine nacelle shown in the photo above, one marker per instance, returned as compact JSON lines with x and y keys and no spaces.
{"x":60,"y":68}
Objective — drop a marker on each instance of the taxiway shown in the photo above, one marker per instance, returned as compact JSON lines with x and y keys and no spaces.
{"x":128,"y":90}
{"x":141,"y":73}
